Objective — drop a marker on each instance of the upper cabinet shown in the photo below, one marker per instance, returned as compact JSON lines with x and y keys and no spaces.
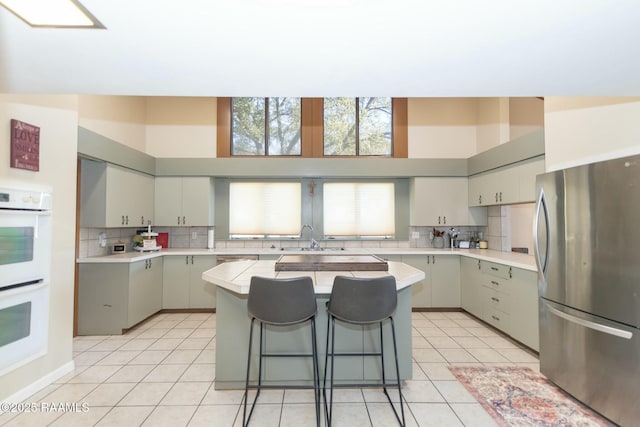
{"x":442,"y":202}
{"x":184,"y":201}
{"x":506,"y":185}
{"x":113,"y":196}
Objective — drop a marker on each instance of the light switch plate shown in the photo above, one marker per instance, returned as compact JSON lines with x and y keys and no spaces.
{"x":194,"y":235}
{"x":415,"y":234}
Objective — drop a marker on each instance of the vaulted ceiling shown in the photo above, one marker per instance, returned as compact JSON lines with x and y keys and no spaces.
{"x":413,"y":48}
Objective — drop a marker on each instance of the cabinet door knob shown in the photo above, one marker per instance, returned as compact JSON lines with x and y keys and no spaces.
{"x":433,"y":259}
{"x":122,"y":219}
{"x":184,"y":220}
{"x":445,"y":219}
{"x":142,"y":220}
{"x":186,"y":259}
{"x":480,"y":199}
{"x":178,"y":220}
{"x":438,"y":220}
{"x":126,"y":218}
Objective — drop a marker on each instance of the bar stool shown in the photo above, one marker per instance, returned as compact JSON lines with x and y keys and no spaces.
{"x":281,"y":302}
{"x":362,"y":301}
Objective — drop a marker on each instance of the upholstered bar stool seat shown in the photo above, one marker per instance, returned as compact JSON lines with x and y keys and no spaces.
{"x":281,"y":302}
{"x":362,"y":301}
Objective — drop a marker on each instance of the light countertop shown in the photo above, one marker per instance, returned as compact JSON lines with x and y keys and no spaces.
{"x":513,"y":259}
{"x":236,"y":276}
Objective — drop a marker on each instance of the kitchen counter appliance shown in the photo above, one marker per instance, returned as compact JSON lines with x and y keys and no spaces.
{"x":25,"y":262}
{"x":585,"y":243}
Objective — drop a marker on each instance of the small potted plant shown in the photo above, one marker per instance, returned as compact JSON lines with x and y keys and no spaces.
{"x":438,"y":238}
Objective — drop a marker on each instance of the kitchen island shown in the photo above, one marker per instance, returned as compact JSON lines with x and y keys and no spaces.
{"x":232,"y":329}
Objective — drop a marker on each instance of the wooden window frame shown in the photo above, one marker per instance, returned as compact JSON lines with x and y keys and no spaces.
{"x":312,"y":133}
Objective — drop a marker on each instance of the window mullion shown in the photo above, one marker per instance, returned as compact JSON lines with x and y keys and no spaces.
{"x":357,"y":126}
{"x":266,"y":127}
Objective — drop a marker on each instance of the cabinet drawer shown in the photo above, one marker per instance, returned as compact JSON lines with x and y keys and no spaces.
{"x":497,"y":301}
{"x":497,"y":318}
{"x":496,"y":283}
{"x":497,"y":270}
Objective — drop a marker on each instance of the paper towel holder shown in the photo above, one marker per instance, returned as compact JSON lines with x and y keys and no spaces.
{"x":210,"y":239}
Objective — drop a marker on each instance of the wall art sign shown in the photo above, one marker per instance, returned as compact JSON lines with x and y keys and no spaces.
{"x":25,"y":146}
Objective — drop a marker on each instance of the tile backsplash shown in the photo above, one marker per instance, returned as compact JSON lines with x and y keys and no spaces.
{"x":179,"y":237}
{"x":497,"y":233}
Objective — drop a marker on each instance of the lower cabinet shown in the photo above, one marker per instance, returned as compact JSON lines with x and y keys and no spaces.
{"x":113,"y":297}
{"x":441,"y":285}
{"x":183,"y":286}
{"x":503,"y":296}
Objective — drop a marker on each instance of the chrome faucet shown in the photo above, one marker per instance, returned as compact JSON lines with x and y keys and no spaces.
{"x":313,"y":244}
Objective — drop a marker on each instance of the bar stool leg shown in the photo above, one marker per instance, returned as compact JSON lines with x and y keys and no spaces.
{"x":316,"y":370}
{"x":246,"y":384}
{"x":395,"y":350}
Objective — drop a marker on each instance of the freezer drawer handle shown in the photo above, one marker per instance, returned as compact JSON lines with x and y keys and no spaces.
{"x":592,"y":325}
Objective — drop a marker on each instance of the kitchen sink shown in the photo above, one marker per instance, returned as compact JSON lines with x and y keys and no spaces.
{"x":292,"y":249}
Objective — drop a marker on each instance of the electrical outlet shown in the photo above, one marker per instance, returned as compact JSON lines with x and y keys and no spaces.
{"x":194,"y":235}
{"x":415,"y":234}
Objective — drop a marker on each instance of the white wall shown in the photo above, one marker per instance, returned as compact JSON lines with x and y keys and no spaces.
{"x":441,"y":127}
{"x":522,"y":226}
{"x":525,"y":116}
{"x":580,"y":130}
{"x":57,"y":118}
{"x":492,"y":123}
{"x":121,"y":118}
{"x":181,"y":127}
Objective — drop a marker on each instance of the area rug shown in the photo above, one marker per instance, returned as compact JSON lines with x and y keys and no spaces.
{"x":521,"y":397}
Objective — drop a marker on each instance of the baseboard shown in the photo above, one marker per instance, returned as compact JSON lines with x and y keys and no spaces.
{"x":38,"y":385}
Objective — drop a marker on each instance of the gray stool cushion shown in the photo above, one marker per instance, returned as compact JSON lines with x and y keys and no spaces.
{"x":282,"y":301}
{"x":363,"y":300}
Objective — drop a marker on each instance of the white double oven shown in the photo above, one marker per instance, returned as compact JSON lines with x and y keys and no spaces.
{"x":25,"y":264}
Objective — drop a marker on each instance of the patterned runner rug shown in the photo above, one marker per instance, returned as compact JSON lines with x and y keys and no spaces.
{"x":522,"y":397}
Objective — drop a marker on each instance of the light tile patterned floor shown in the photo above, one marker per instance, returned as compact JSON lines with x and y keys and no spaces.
{"x":161,"y":374}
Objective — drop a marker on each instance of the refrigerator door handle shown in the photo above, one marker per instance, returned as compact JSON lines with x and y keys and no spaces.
{"x":543,"y":266}
{"x":591,"y":325}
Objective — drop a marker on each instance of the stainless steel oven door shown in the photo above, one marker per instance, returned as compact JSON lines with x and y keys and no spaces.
{"x":24,"y":325}
{"x":25,"y":246}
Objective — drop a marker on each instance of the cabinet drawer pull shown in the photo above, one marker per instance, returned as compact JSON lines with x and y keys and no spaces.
{"x":178,"y":220}
{"x":186,"y":259}
{"x":493,"y":282}
{"x":184,"y":220}
{"x":445,"y":219}
{"x":107,"y":305}
{"x":494,"y":268}
{"x":480,"y":199}
{"x":495,"y":318}
{"x":142,"y":220}
{"x":495,"y":299}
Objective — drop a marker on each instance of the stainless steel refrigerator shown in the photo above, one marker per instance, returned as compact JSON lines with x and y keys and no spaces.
{"x":587,"y":246}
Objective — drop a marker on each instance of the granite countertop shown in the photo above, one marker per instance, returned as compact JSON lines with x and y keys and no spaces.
{"x":236,"y":276}
{"x":513,"y":259}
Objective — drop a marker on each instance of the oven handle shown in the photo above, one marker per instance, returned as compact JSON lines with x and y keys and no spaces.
{"x":14,"y":212}
{"x":19,"y":288}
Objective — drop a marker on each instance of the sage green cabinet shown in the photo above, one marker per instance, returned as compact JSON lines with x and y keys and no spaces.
{"x":184,"y":201}
{"x":421,"y":290}
{"x":117,"y":296}
{"x":441,"y":285}
{"x":524,"y":306}
{"x":113,"y":196}
{"x":183,"y":286}
{"x":470,"y":286}
{"x":503,"y":296}
{"x":506,"y":185}
{"x":442,"y":202}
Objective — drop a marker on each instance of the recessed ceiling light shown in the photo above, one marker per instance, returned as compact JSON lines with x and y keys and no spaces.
{"x":52,"y":13}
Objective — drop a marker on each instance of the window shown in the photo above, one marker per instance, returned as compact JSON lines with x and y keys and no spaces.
{"x":311,"y":129}
{"x":359,"y":209}
{"x":358,"y":127}
{"x":266,"y":126}
{"x":264,"y":209}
